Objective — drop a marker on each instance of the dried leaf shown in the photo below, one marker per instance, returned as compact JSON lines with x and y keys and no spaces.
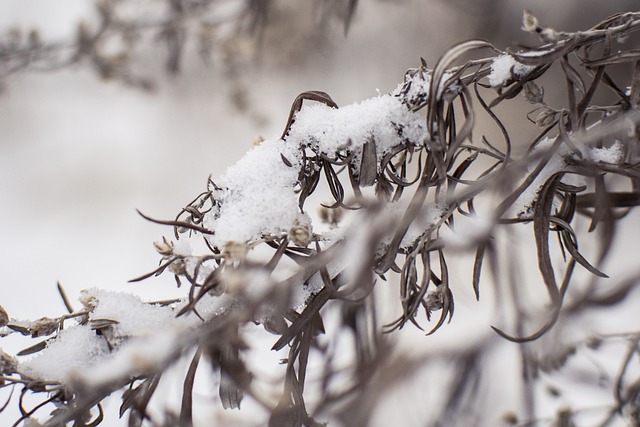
{"x":368,"y":164}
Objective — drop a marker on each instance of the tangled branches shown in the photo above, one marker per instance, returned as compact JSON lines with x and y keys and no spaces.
{"x":411,"y":184}
{"x":113,"y":44}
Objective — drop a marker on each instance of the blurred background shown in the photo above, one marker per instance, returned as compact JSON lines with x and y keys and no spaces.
{"x":177,"y":91}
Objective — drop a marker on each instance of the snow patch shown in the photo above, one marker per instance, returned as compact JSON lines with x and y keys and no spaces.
{"x":257,"y":195}
{"x":613,"y":154}
{"x":383,"y":119}
{"x":505,"y":68}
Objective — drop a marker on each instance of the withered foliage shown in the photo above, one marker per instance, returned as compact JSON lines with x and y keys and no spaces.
{"x":466,"y":176}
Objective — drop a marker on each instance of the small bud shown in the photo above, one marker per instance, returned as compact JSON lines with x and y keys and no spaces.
{"x":594,"y":342}
{"x":257,"y":141}
{"x":546,"y":117}
{"x":178,"y":267}
{"x":235,"y":251}
{"x":44,"y":326}
{"x":530,"y":23}
{"x":435,"y":299}
{"x":4,"y":317}
{"x":331,"y":215}
{"x":164,"y":247}
{"x":89,"y":302}
{"x":301,"y":233}
{"x":8,"y":365}
{"x":510,"y":418}
{"x":533,"y":93}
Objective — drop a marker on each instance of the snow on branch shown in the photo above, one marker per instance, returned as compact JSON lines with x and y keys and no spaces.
{"x":412,"y":184}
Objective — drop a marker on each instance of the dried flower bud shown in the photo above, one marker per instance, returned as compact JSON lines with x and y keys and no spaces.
{"x":530,"y":23}
{"x":300,"y":235}
{"x":178,"y":267}
{"x":258,"y":140}
{"x":533,"y":93}
{"x":435,"y":299}
{"x":331,"y":215}
{"x":8,"y":365}
{"x":88,"y":301}
{"x":44,"y":326}
{"x":164,"y":247}
{"x":546,"y":117}
{"x":301,"y":232}
{"x":594,"y":342}
{"x":235,"y":251}
{"x":4,"y":317}
{"x":510,"y":418}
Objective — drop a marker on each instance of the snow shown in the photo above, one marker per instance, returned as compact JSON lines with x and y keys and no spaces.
{"x":613,"y":154}
{"x":416,"y":87}
{"x":141,"y":335}
{"x":384,"y":119}
{"x":257,"y":195}
{"x":135,"y":317}
{"x":182,"y":248}
{"x":75,"y":349}
{"x":505,"y":68}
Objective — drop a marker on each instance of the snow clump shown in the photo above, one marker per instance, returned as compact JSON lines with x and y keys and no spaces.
{"x":505,"y":68}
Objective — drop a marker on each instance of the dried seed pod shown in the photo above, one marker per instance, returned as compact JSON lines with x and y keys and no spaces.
{"x":164,"y":247}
